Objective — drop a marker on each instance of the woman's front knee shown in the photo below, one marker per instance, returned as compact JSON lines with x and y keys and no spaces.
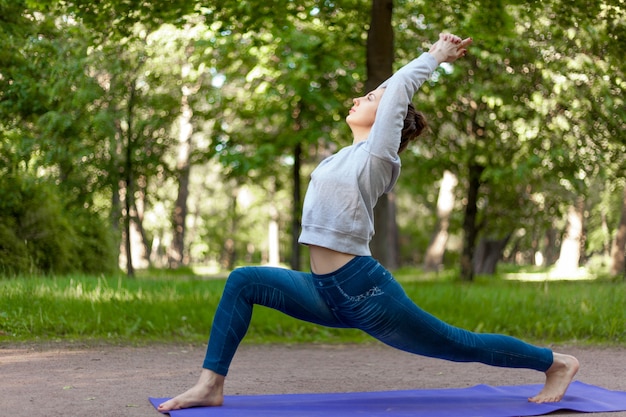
{"x":239,"y":277}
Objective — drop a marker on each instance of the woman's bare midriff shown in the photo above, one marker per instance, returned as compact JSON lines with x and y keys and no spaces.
{"x":325,"y":261}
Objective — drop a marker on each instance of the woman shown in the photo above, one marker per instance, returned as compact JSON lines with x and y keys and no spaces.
{"x":347,"y":287}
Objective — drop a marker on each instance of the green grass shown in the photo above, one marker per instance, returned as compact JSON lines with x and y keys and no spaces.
{"x":164,"y":308}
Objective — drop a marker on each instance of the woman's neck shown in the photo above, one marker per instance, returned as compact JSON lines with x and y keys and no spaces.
{"x":360,"y":134}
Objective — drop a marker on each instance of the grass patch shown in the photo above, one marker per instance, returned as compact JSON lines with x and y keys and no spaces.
{"x":164,"y":308}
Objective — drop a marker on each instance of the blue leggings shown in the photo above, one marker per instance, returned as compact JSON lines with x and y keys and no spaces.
{"x":361,"y":295}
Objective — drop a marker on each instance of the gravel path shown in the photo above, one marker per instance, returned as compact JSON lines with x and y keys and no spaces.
{"x":117,"y":381}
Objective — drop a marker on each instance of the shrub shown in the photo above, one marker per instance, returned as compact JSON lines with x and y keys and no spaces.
{"x":97,"y":252}
{"x":14,"y":258}
{"x":39,"y":234}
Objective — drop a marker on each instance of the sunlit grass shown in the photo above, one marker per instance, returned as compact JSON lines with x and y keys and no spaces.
{"x":164,"y":308}
{"x":108,"y":308}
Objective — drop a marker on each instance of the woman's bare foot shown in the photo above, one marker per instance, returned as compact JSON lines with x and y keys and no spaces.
{"x":558,"y":378}
{"x":208,"y":391}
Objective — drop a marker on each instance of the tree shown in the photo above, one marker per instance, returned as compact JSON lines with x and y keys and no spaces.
{"x":98,"y":99}
{"x":45,"y":131}
{"x":285,"y":89}
{"x":380,"y":59}
{"x":617,"y":249}
{"x":433,"y":260}
{"x":517,"y":118}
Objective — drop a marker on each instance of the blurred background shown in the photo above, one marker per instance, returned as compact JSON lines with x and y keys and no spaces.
{"x":181,"y":134}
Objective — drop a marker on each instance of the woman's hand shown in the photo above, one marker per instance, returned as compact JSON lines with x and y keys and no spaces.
{"x":449,"y":47}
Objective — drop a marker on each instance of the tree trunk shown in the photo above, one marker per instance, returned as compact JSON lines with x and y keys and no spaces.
{"x":445,"y":203}
{"x":141,"y":244}
{"x":488,"y":253}
{"x":128,"y":179}
{"x":229,"y":250}
{"x":385,"y":245}
{"x":296,"y":208}
{"x":379,"y":44}
{"x":470,"y":226}
{"x":569,"y":257}
{"x":139,"y":254}
{"x":273,"y":256}
{"x":116,"y":152}
{"x":176,"y":252}
{"x":617,"y":249}
{"x":550,"y":253}
{"x":115,"y":217}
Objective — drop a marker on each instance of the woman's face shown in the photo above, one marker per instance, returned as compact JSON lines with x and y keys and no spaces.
{"x":363,"y":112}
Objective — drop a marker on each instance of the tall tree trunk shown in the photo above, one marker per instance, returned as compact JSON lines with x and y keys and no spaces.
{"x":379,"y":44}
{"x":445,"y":203}
{"x":128,"y":179}
{"x":487,"y":255}
{"x":229,"y":249}
{"x":116,"y":152}
{"x":617,"y":250}
{"x":569,"y":257}
{"x":273,"y":255}
{"x":142,"y":248}
{"x":385,"y":246}
{"x":550,"y":251}
{"x":470,"y":224}
{"x":273,"y":244}
{"x":176,"y":252}
{"x":296,"y":212}
{"x":115,"y":217}
{"x":139,"y":251}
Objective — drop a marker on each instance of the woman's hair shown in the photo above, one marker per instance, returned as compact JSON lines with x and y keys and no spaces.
{"x":414,"y":124}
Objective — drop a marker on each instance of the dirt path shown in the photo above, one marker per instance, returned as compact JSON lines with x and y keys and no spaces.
{"x":116,"y":381}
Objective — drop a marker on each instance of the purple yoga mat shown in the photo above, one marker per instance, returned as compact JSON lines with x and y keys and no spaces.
{"x":480,"y":400}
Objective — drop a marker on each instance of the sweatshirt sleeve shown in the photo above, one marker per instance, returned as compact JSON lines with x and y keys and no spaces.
{"x":384,"y":138}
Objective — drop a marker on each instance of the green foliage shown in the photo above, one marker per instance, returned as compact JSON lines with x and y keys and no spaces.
{"x":164,"y":308}
{"x":117,"y":18}
{"x":95,"y":246}
{"x":90,"y":93}
{"x":36,"y":214}
{"x":533,"y":102}
{"x":41,"y":236}
{"x":288,"y":82}
{"x":14,"y":257}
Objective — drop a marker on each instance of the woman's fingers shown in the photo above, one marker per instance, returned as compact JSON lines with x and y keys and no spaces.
{"x":449,"y":37}
{"x":461,"y":46}
{"x":452,"y":46}
{"x":465,"y":43}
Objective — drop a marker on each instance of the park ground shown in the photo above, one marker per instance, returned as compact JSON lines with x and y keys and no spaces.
{"x":103,"y":380}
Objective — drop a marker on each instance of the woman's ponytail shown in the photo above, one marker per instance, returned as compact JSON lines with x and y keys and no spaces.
{"x":414,"y":124}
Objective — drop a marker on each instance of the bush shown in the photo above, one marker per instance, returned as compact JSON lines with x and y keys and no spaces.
{"x":40,"y":235}
{"x":97,"y":252}
{"x":14,"y":258}
{"x":42,"y":225}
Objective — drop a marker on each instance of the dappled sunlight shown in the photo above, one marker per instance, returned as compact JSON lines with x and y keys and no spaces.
{"x":406,"y":275}
{"x":114,"y":308}
{"x":580,"y":274}
{"x":101,"y":292}
{"x":213,"y":270}
{"x":98,"y":290}
{"x":85,"y":308}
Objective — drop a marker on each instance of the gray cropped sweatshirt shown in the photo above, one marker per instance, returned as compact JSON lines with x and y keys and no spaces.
{"x":338,"y":210}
